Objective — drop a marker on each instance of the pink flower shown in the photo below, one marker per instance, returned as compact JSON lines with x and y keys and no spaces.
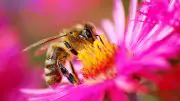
{"x":13,"y":73}
{"x":111,"y":70}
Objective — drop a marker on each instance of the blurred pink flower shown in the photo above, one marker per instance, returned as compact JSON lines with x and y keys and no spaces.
{"x":141,"y":48}
{"x":13,"y":73}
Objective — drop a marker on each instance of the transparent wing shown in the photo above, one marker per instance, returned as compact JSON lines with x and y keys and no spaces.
{"x":44,"y":44}
{"x":42,"y":49}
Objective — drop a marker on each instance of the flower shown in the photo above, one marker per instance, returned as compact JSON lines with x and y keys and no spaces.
{"x":10,"y":46}
{"x":13,"y":73}
{"x":109,"y":70}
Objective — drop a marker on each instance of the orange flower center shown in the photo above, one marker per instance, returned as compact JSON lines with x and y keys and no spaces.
{"x":98,"y":60}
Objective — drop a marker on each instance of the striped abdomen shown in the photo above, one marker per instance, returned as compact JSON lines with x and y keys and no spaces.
{"x":52,"y":74}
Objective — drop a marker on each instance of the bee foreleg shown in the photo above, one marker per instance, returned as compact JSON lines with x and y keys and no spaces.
{"x":100,"y":38}
{"x":70,"y":48}
{"x":66,"y":73}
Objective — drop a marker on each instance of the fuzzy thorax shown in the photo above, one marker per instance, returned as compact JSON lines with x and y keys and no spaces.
{"x":98,"y":59}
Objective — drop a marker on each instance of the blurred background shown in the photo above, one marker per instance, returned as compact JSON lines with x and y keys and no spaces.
{"x":36,"y":19}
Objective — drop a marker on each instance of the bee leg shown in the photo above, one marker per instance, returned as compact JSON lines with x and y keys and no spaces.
{"x":74,"y":72}
{"x":66,"y":73}
{"x":99,"y":38}
{"x":70,"y":48}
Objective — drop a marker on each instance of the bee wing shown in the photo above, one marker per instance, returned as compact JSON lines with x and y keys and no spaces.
{"x":44,"y":43}
{"x":42,"y":49}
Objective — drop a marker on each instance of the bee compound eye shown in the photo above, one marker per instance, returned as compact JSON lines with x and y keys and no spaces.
{"x":88,"y":33}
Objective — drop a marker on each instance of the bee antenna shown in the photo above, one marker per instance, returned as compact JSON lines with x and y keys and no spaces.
{"x":43,"y":41}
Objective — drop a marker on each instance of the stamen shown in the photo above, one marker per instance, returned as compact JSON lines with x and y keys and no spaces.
{"x":98,"y":59}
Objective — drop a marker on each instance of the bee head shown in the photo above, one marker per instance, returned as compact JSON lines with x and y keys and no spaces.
{"x":84,"y":32}
{"x":88,"y":32}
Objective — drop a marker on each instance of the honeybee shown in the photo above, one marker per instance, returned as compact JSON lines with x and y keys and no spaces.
{"x":62,"y":48}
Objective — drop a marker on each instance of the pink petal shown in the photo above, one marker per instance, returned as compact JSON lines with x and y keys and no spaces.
{"x":45,"y":94}
{"x":80,"y":93}
{"x":84,"y":93}
{"x":160,"y":48}
{"x":117,"y":94}
{"x":129,"y":85}
{"x":171,"y":5}
{"x":119,"y":19}
{"x":110,"y":31}
{"x":157,"y":62}
{"x":129,"y":33}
